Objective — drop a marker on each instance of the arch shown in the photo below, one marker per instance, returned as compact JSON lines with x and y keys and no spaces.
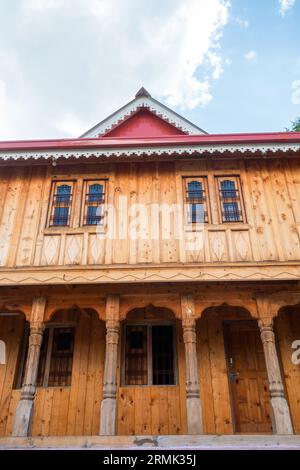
{"x":150,"y":312}
{"x":53,"y":307}
{"x":237,"y":307}
{"x":168,"y":302}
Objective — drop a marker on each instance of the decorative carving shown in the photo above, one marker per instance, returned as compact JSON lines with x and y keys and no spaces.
{"x":73,"y":249}
{"x":218,"y":245}
{"x":244,"y":148}
{"x":242,"y":245}
{"x":95,"y":249}
{"x":113,"y":274}
{"x":51,"y":250}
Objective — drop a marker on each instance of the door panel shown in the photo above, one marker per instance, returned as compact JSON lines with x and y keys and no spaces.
{"x":247,"y":378}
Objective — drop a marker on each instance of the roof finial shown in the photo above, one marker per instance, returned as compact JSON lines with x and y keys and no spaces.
{"x":143,"y":92}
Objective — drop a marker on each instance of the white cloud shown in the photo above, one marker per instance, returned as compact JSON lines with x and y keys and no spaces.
{"x":250,"y":56}
{"x":70,"y":125}
{"x":241,"y":22}
{"x":79,"y":60}
{"x":285,"y":5}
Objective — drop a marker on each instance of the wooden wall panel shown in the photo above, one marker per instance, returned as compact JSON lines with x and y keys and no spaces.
{"x":30,"y":219}
{"x":11,"y":331}
{"x":50,"y":250}
{"x":154,"y":409}
{"x":287,"y":329}
{"x":75,"y":410}
{"x":213,"y":379}
{"x":271,"y":232}
{"x":255,"y":180}
{"x":9,"y":214}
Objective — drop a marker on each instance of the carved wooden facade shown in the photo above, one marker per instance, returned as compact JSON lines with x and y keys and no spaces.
{"x":233,"y":297}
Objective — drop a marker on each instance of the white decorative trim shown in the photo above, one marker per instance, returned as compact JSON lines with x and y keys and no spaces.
{"x":169,"y":150}
{"x":131,"y":108}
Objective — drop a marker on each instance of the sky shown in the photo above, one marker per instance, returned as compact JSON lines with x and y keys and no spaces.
{"x":228,"y":66}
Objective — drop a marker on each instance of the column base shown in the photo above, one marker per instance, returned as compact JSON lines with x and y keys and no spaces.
{"x":194,"y":415}
{"x":281,"y":418}
{"x":23,"y":419}
{"x":108,"y":417}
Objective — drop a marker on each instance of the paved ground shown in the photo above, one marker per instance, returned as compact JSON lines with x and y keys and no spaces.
{"x":207,"y":442}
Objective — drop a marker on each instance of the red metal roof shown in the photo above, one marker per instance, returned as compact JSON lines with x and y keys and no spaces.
{"x":119,"y":142}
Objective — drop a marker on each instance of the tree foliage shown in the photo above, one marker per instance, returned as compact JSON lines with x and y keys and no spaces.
{"x":295,"y":125}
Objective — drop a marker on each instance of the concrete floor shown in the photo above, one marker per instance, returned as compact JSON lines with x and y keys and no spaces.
{"x":207,"y":442}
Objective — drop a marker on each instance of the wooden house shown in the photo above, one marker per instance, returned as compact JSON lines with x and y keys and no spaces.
{"x":150,"y":280}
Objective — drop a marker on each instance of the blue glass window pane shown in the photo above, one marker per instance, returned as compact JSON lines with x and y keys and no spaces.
{"x":195,"y":190}
{"x":63,"y":193}
{"x":61,"y":216}
{"x":228,"y":189}
{"x":95,"y":193}
{"x":196,"y":214}
{"x":93,"y":215}
{"x":231,"y":211}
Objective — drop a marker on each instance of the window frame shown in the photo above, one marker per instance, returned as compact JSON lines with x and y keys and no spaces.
{"x":54,"y":185}
{"x":239,"y":200}
{"x":51,"y":327}
{"x":84,"y":205}
{"x":203,"y":180}
{"x":149,"y":324}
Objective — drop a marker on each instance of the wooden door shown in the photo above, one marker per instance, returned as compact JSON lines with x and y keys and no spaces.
{"x":247,"y":377}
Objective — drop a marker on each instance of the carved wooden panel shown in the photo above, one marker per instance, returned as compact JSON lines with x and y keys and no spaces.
{"x":50,"y":251}
{"x":218,"y":246}
{"x":96,"y":247}
{"x":73,"y":249}
{"x":241,"y":245}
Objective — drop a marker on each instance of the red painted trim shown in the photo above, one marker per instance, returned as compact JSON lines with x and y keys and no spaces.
{"x":105,"y":142}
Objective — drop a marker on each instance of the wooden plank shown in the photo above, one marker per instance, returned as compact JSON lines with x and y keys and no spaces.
{"x":205,"y":377}
{"x":11,"y":328}
{"x":223,"y":421}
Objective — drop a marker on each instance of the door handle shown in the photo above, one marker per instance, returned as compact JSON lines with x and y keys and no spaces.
{"x":233,"y":375}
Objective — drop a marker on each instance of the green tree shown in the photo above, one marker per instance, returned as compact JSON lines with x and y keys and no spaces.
{"x":295,"y":125}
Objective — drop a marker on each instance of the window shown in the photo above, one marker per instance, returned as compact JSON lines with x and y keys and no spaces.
{"x":230,"y":200}
{"x":94,"y":203}
{"x":61,"y":204}
{"x":56,"y":357}
{"x":195,"y":200}
{"x":149,"y":355}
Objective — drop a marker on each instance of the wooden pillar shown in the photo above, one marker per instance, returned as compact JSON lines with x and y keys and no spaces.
{"x":24,"y":412}
{"x":281,"y":418}
{"x":193,"y":401}
{"x":108,"y":416}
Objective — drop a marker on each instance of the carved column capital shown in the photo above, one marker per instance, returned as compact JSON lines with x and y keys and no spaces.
{"x":112,"y":331}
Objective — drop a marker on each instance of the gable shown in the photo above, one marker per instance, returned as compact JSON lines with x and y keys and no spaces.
{"x":144,"y":124}
{"x":144,"y":101}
